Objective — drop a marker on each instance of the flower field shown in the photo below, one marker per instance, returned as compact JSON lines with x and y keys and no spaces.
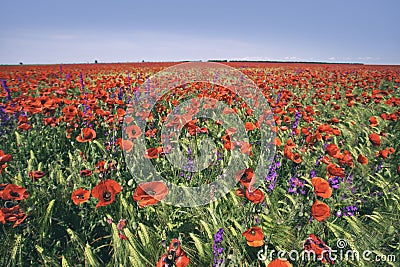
{"x":79,"y":161}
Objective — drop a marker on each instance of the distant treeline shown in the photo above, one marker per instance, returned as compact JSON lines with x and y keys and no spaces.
{"x":275,"y":61}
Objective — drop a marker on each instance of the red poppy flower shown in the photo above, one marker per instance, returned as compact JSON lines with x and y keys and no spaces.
{"x":316,"y":245}
{"x":334,"y":120}
{"x":333,"y":151}
{"x":280,"y":263}
{"x":182,"y":261}
{"x":245,"y":177}
{"x":150,"y":193}
{"x":87,"y":134}
{"x":384,"y":153}
{"x":287,"y":152}
{"x":126,"y":145}
{"x":121,"y":224}
{"x":80,"y":196}
{"x":176,"y":256}
{"x":133,"y":131}
{"x":296,"y":158}
{"x":334,"y":170}
{"x":254,"y":236}
{"x":246,"y":148}
{"x":86,"y":173}
{"x":346,"y":158}
{"x":373,"y":121}
{"x":255,"y":195}
{"x":2,"y":217}
{"x":24,"y":126}
{"x":122,"y":236}
{"x":14,"y":192}
{"x":14,"y":214}
{"x":320,"y":211}
{"x":53,"y":122}
{"x":277,"y":142}
{"x":36,"y":175}
{"x":2,"y":187}
{"x":231,"y":131}
{"x":175,"y":247}
{"x":398,"y":170}
{"x":121,"y":112}
{"x":362,"y":159}
{"x":100,"y":166}
{"x":228,"y":145}
{"x":4,"y":158}
{"x":290,"y":144}
{"x":152,"y":153}
{"x":250,"y":126}
{"x":240,"y":192}
{"x":321,"y":187}
{"x":164,"y":260}
{"x":69,"y":112}
{"x":151,"y":132}
{"x":326,"y":160}
{"x":105,"y":192}
{"x":375,"y":139}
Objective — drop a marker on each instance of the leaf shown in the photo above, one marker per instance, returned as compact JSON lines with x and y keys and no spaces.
{"x":136,"y":255}
{"x":353,"y":221}
{"x":143,"y":234}
{"x":39,"y":249}
{"x":46,"y":218}
{"x":115,"y":237}
{"x":18,"y":138}
{"x":89,"y":257}
{"x":64,"y":262}
{"x":16,"y":247}
{"x":207,"y":229}
{"x":100,"y":146}
{"x":198,"y":244}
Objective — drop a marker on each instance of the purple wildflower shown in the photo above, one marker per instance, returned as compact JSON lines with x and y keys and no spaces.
{"x":81,"y":80}
{"x":121,"y":224}
{"x":296,"y":122}
{"x":296,"y":186}
{"x":120,"y":93}
{"x":378,"y":168}
{"x":334,"y":182}
{"x":136,"y":94}
{"x":4,"y":83}
{"x":346,"y":211}
{"x":278,"y":98}
{"x":129,"y":79}
{"x":271,"y":178}
{"x":218,"y":248}
{"x":148,"y":87}
{"x":4,"y":121}
{"x":349,"y":210}
{"x":318,"y":161}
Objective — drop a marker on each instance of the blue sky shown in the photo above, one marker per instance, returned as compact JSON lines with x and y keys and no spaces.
{"x":123,"y":31}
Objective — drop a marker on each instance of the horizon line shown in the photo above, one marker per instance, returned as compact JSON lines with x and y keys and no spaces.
{"x":209,"y":60}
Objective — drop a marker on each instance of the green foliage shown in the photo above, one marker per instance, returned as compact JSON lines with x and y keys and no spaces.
{"x":59,"y":233}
